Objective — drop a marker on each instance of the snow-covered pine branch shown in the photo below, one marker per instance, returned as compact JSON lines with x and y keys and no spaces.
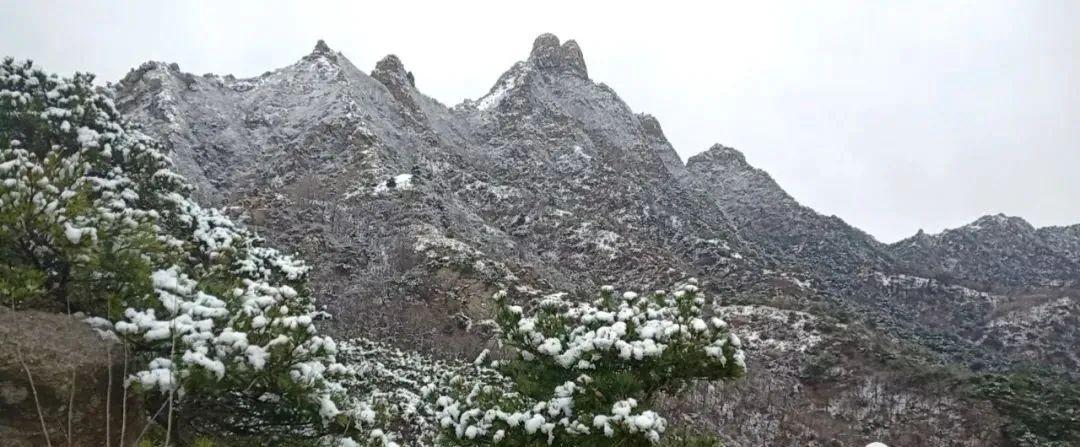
{"x":94,"y":220}
{"x":586,"y":373}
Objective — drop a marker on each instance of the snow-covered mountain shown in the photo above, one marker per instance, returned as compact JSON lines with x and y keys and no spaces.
{"x":549,"y":178}
{"x":414,"y":212}
{"x":766,"y":214}
{"x":964,"y":292}
{"x":996,"y":252}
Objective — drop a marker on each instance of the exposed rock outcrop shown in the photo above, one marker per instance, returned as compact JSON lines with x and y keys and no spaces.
{"x":548,"y":54}
{"x":57,"y":365}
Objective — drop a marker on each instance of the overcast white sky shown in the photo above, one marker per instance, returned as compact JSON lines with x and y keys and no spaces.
{"x":892,"y":115}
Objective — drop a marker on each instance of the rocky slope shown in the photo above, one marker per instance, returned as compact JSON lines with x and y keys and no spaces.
{"x":970,"y":293}
{"x":413,"y":212}
{"x":548,"y":180}
{"x":996,"y":252}
{"x":766,"y":214}
{"x":57,"y":365}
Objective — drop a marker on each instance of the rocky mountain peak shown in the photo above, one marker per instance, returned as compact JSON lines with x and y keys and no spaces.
{"x":390,"y":71}
{"x":990,"y":226}
{"x":322,"y":50}
{"x":994,"y":251}
{"x":161,"y":69}
{"x":548,"y":54}
{"x":1000,"y":220}
{"x":721,"y":156}
{"x":771,"y":218}
{"x":652,"y":126}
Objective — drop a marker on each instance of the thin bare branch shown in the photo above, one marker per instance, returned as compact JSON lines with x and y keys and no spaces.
{"x":108,"y":397}
{"x":150,"y":422}
{"x":33,"y":389}
{"x":71,"y":409}
{"x":172,"y":355}
{"x":123,"y":403}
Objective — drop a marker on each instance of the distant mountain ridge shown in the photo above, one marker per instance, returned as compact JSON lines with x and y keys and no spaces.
{"x":765,"y":212}
{"x":972,"y":293}
{"x":996,"y":251}
{"x":413,"y":212}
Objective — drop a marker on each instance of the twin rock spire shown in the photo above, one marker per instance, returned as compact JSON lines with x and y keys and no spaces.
{"x":548,"y":54}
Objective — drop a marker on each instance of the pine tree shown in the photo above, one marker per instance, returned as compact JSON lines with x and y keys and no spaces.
{"x":94,"y":221}
{"x":589,"y":373}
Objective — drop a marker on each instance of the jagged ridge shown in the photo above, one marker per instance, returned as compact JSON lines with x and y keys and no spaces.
{"x":413,"y":211}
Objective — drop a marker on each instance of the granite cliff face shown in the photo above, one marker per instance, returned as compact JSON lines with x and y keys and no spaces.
{"x":414,"y":212}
